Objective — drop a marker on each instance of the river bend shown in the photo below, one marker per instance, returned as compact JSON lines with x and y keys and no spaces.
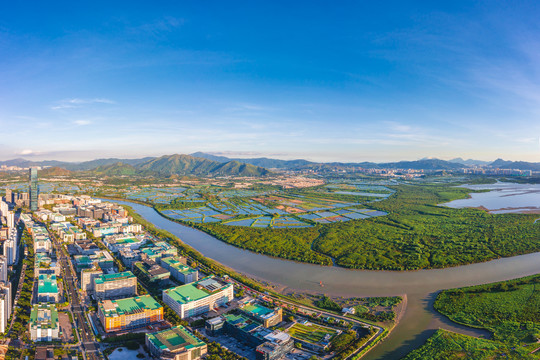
{"x":419,"y":321}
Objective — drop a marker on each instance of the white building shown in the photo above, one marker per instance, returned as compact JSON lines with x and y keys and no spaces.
{"x":43,"y":323}
{"x":10,"y":219}
{"x":3,"y":268}
{"x":199,"y":297}
{"x":11,"y":246}
{"x":5,"y":305}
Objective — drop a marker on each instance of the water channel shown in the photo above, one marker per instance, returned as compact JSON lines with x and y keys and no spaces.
{"x":419,"y":320}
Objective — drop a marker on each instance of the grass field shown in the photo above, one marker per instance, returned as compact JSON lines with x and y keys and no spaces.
{"x":310,"y":333}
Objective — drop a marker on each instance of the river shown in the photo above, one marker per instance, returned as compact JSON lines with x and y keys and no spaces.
{"x":419,"y":321}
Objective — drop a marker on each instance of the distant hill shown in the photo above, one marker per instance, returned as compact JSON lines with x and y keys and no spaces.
{"x":469,"y":162}
{"x":423,"y":164}
{"x":93,"y":164}
{"x":54,"y":171}
{"x":190,"y":165}
{"x":262,"y":162}
{"x":519,"y":165}
{"x":203,"y":164}
{"x":426,"y":164}
{"x":116,"y":169}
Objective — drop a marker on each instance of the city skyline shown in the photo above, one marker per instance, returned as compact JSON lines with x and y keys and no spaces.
{"x":324,"y":83}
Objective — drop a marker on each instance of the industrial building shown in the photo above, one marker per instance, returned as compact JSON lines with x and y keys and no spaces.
{"x":175,"y":343}
{"x":151,"y":273}
{"x":179,"y":270}
{"x":129,"y":313}
{"x":43,"y":323}
{"x":264,"y":315}
{"x":113,"y":286}
{"x":269,"y":345}
{"x":198,"y":297}
{"x":47,"y":289}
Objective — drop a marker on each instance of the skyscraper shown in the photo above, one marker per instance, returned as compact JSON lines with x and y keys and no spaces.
{"x":33,"y":189}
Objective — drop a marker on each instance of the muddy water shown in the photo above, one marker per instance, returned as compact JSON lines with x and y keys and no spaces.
{"x":419,"y":320}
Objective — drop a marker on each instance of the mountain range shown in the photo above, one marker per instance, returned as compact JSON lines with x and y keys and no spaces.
{"x":204,"y":164}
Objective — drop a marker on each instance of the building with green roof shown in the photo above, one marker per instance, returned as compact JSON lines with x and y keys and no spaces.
{"x":198,"y":297}
{"x":266,"y":316}
{"x":129,"y":313}
{"x":117,"y":285}
{"x":151,"y":273}
{"x":47,"y":288}
{"x":43,"y":324}
{"x":175,"y":343}
{"x":158,"y":250}
{"x":179,"y":270}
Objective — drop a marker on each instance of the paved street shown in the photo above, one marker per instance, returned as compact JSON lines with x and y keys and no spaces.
{"x":88,"y":344}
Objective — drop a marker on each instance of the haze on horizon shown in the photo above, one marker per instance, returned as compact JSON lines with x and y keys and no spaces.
{"x":313,"y":80}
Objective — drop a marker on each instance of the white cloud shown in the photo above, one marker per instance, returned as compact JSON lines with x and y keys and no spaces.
{"x":77,"y":102}
{"x":82,"y":122}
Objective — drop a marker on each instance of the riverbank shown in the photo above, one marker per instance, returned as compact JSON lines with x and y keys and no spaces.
{"x":418,"y":322}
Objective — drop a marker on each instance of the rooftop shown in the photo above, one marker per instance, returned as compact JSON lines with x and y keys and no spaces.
{"x":113,"y":277}
{"x":258,"y":310}
{"x":174,"y":339}
{"x":174,"y":263}
{"x":195,"y":291}
{"x":47,"y":284}
{"x":44,"y":316}
{"x":112,"y":308}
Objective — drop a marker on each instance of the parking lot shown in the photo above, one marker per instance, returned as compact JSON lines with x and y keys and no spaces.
{"x":65,"y":327}
{"x":233,"y":345}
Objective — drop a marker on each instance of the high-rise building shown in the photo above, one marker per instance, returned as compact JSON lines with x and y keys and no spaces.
{"x":9,"y":196}
{"x":4,"y":208}
{"x":5,"y":304}
{"x":34,"y":192}
{"x":3,"y":268}
{"x":10,"y":219}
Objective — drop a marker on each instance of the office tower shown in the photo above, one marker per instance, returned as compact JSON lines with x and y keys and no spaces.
{"x":33,"y":189}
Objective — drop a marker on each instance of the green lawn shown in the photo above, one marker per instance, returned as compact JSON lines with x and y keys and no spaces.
{"x":310,"y":333}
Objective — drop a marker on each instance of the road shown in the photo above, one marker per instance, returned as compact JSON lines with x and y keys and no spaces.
{"x":379,"y":330}
{"x":89,"y":346}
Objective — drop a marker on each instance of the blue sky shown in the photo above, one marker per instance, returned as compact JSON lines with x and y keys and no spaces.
{"x":326,"y":81}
